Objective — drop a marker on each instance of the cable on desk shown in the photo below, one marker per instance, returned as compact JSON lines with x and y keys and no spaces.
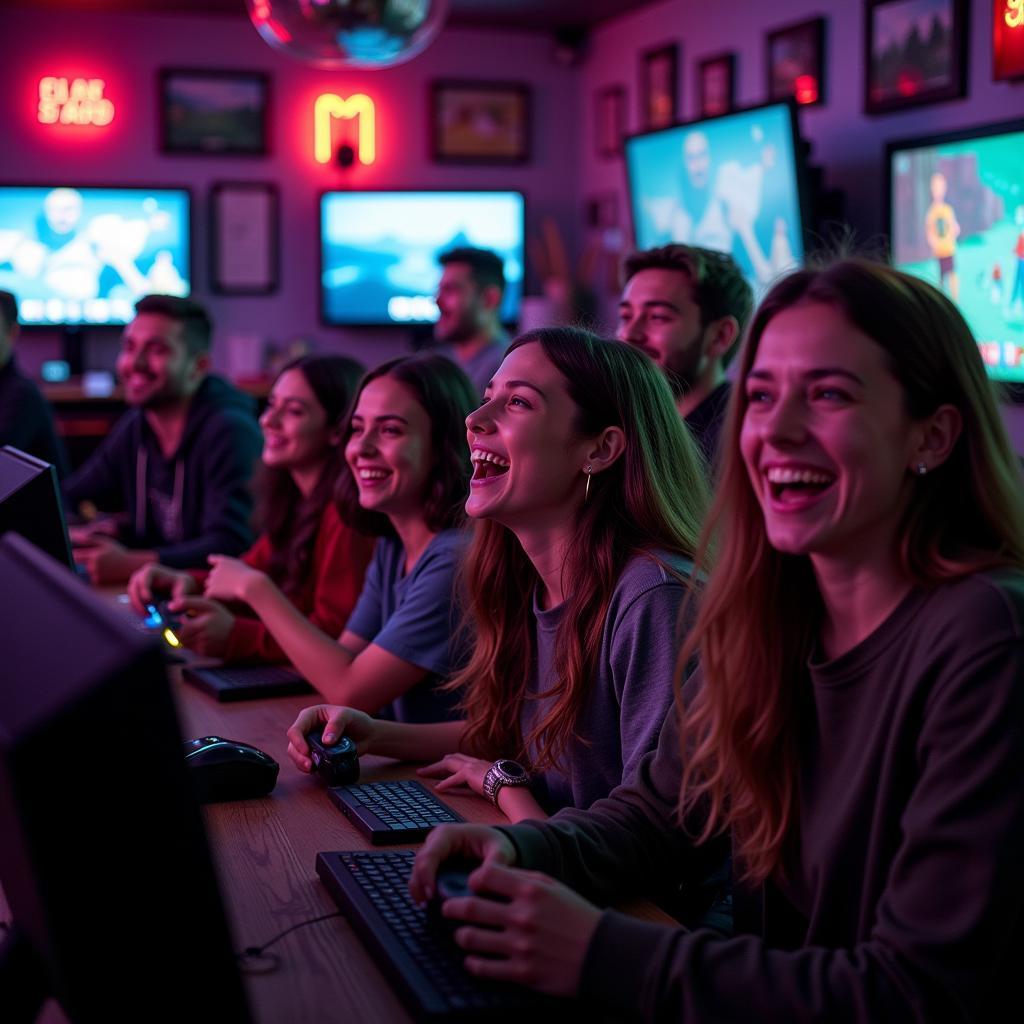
{"x":256,"y":960}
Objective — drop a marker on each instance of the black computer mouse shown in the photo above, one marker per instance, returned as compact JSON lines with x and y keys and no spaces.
{"x":228,"y":770}
{"x":453,"y":880}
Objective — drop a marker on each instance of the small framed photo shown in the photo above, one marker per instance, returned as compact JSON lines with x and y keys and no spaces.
{"x":716,"y":83}
{"x":244,"y":238}
{"x":1007,"y":39}
{"x":610,"y":120}
{"x":214,"y":112}
{"x":480,"y":122}
{"x":915,"y":53}
{"x":659,"y":87}
{"x":796,"y":62}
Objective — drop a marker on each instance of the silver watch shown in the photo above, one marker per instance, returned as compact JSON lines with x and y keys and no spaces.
{"x":504,"y":772}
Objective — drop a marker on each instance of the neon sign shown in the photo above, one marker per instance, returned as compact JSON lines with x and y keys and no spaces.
{"x":1014,"y":15}
{"x":1008,"y":39}
{"x":74,"y":101}
{"x":330,"y":107}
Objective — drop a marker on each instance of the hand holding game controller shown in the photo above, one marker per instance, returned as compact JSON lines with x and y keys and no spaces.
{"x":336,"y":763}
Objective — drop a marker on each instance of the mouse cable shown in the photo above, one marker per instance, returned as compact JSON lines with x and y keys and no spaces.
{"x":256,"y":960}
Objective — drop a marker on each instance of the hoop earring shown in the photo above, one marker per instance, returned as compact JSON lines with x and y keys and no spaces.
{"x":921,"y":469}
{"x":586,"y":491}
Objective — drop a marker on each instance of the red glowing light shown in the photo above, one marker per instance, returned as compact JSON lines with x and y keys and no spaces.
{"x":78,"y":101}
{"x":1008,"y":39}
{"x":806,"y":89}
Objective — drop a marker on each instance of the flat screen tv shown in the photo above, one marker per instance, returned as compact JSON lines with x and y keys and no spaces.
{"x":956,"y":219}
{"x":82,"y":256}
{"x":379,"y":251}
{"x":731,"y":183}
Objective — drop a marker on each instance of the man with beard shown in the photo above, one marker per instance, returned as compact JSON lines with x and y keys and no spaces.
{"x":175,"y":469}
{"x":686,"y":308}
{"x":469,"y":297}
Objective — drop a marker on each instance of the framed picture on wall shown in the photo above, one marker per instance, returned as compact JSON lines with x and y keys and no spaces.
{"x":716,"y":82}
{"x":659,"y":87}
{"x":1007,"y":39}
{"x":480,"y":122}
{"x":610,"y":120}
{"x":915,"y":53}
{"x":796,"y":62}
{"x":214,"y":112}
{"x":244,"y":238}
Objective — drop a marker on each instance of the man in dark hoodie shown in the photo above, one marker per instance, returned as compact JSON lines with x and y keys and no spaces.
{"x":175,"y":469}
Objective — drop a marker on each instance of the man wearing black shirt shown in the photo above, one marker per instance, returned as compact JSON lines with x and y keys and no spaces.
{"x":26,"y":420}
{"x":686,"y":308}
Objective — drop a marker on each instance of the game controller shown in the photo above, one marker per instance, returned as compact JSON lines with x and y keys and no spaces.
{"x":336,"y":763}
{"x":161,"y":621}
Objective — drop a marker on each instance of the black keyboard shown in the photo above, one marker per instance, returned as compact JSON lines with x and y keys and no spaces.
{"x":247,"y":682}
{"x":418,"y":954}
{"x":392,"y":812}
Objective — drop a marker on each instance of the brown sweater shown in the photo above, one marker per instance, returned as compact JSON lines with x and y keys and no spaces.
{"x":905,"y":893}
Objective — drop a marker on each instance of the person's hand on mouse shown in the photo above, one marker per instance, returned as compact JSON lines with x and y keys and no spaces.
{"x":205,"y":625}
{"x":458,"y":770}
{"x":230,"y":579}
{"x":153,"y":579}
{"x":450,"y":842}
{"x":536,"y":933}
{"x":337,"y":721}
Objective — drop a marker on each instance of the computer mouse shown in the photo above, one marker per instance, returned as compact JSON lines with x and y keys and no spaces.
{"x":452,"y":880}
{"x":228,"y":770}
{"x":337,"y":763}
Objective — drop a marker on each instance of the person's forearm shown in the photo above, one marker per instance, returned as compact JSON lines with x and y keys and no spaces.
{"x":413,"y":741}
{"x":518,"y":804}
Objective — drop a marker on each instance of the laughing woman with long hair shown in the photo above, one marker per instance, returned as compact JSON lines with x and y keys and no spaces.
{"x":588,"y":495}
{"x":856,"y":726}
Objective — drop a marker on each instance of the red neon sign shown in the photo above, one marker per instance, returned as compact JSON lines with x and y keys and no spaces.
{"x":1008,"y":39}
{"x":74,"y":101}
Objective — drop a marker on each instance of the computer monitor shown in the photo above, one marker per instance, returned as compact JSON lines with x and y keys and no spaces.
{"x":104,"y":862}
{"x":379,"y":250}
{"x":30,"y":503}
{"x":83,"y":255}
{"x":955,"y":215}
{"x":732,"y":183}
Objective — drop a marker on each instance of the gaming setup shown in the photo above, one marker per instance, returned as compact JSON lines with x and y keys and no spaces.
{"x":80,"y":256}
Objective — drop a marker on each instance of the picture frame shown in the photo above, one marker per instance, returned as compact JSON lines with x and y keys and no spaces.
{"x":480,"y":122}
{"x":214,"y":112}
{"x":1007,"y":40}
{"x":716,"y":85}
{"x":915,"y":53}
{"x":659,"y":87}
{"x":610,"y":121}
{"x":795,"y":62}
{"x":244,"y":234}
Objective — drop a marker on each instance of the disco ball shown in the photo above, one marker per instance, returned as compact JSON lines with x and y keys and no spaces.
{"x":348,"y":33}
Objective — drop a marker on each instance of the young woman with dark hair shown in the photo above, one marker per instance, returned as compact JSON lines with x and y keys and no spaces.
{"x":588,"y":496}
{"x":405,"y":481}
{"x":856,"y":725}
{"x":311,"y":555}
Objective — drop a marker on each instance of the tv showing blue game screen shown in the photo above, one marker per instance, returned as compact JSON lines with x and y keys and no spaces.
{"x":379,"y":250}
{"x":730,"y":183}
{"x":85,"y":255}
{"x":956,"y":219}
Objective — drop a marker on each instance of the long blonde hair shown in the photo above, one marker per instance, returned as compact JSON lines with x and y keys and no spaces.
{"x":761,"y":609}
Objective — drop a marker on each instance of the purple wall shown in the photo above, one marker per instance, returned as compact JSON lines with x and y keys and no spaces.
{"x":127,"y":50}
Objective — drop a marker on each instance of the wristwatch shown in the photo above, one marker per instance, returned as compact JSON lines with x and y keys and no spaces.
{"x":504,"y":772}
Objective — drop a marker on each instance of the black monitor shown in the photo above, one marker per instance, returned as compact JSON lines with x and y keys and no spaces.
{"x":103,"y":857}
{"x":30,"y":503}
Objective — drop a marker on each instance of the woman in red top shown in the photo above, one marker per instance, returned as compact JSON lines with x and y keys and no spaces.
{"x":316,"y":560}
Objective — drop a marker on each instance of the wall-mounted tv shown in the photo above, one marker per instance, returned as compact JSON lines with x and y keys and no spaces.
{"x":82,"y":256}
{"x":379,"y":251}
{"x":731,"y":183}
{"x":956,"y":219}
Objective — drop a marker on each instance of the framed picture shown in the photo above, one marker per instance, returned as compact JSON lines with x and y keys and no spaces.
{"x":716,"y":83}
{"x":659,"y":87}
{"x":796,"y":62}
{"x":244,"y":238}
{"x":480,"y":122}
{"x":916,"y":52}
{"x":214,"y":112}
{"x":610,"y":120}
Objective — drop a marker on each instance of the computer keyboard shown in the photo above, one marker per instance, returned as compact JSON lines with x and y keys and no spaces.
{"x":392,"y":812}
{"x":247,"y":682}
{"x":418,"y":954}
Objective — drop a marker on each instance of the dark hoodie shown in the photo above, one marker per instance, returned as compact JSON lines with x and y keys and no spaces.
{"x":194,"y":504}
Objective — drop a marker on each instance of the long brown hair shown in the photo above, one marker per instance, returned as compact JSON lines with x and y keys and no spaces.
{"x":761,"y":609}
{"x":291,"y":521}
{"x":652,"y":497}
